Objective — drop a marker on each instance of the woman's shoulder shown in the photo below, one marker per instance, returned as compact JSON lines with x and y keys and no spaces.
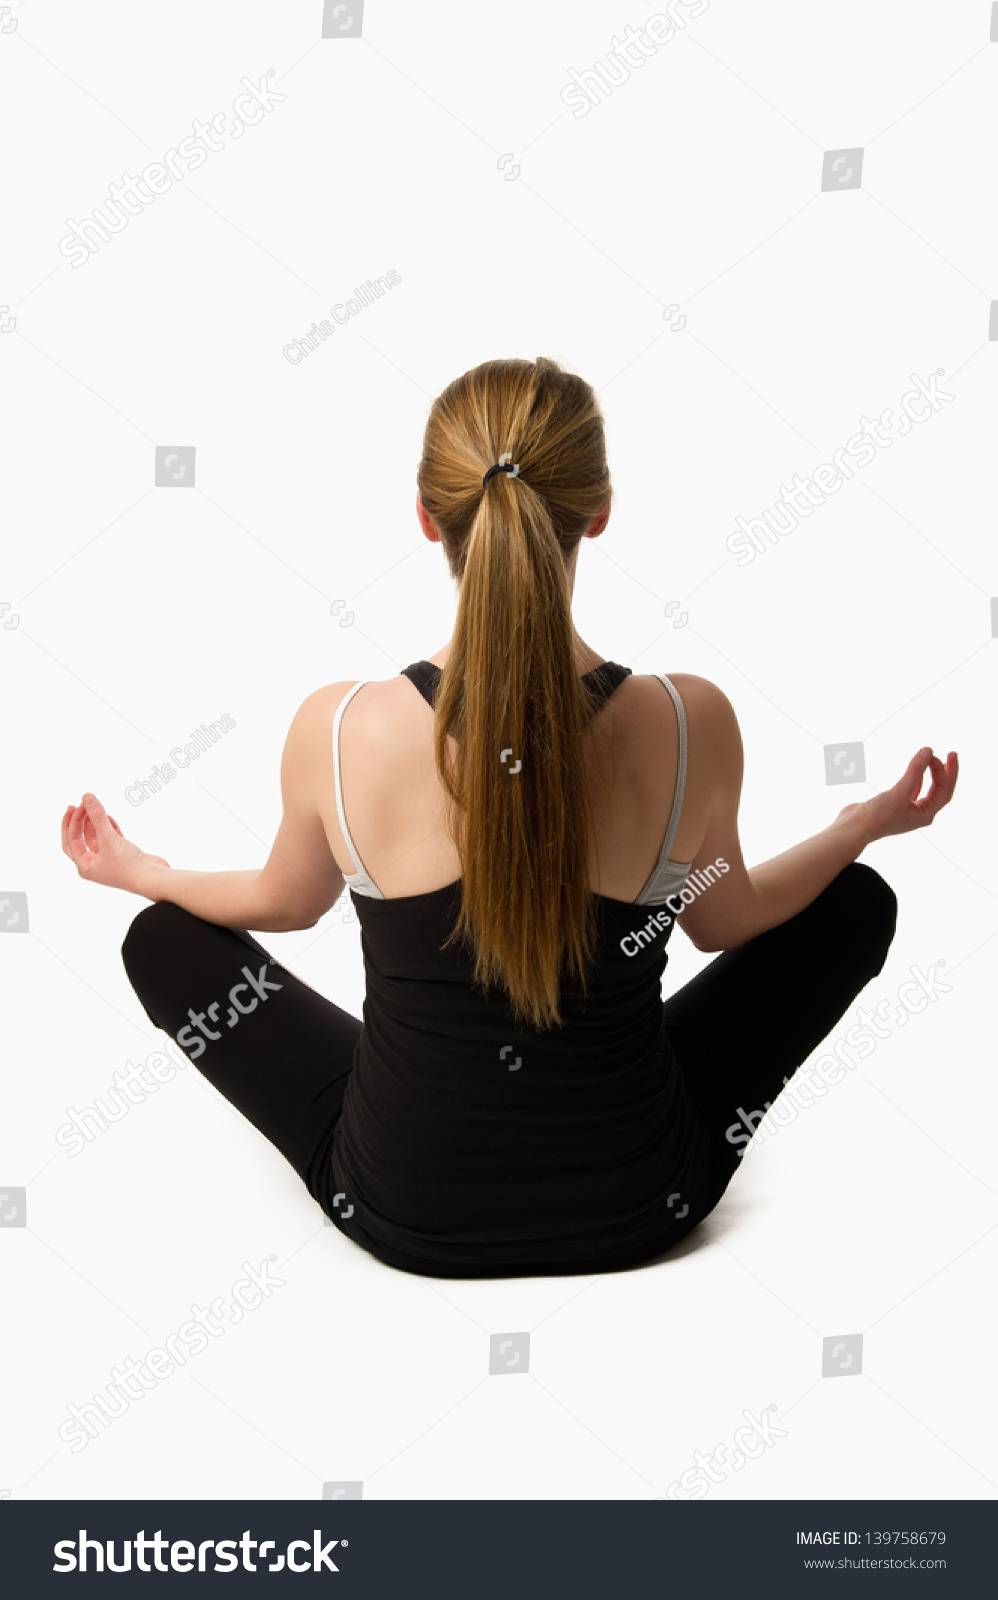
{"x":380,"y":710}
{"x":376,"y":691}
{"x":702,"y":699}
{"x":714,"y":745}
{"x":385,"y":696}
{"x":385,"y":710}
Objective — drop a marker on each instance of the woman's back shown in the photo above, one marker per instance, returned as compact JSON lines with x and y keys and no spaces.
{"x":394,"y":801}
{"x":464,"y":1136}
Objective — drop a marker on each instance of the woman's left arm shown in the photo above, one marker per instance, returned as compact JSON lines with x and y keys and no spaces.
{"x":300,"y":880}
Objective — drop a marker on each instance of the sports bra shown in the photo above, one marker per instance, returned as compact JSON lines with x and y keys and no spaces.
{"x":668,"y":877}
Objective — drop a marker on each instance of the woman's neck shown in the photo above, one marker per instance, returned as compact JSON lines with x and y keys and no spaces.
{"x":586,"y":658}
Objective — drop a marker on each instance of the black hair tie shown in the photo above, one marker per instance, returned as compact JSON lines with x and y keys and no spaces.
{"x":503,"y":465}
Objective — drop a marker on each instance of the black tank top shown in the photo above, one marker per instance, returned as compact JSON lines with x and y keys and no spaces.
{"x":466,"y":1142}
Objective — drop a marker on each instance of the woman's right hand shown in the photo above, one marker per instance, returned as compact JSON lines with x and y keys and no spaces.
{"x":899,"y":810}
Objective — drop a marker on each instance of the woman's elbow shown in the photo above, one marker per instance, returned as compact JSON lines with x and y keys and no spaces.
{"x":282,"y":921}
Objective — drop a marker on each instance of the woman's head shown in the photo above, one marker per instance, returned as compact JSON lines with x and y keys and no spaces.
{"x":551,"y":425}
{"x":510,"y":694}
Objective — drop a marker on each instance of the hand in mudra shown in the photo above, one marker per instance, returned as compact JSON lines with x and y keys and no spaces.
{"x":899,"y":810}
{"x":99,"y":850}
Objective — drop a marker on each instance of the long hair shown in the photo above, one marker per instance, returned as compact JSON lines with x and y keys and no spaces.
{"x":511,"y":708}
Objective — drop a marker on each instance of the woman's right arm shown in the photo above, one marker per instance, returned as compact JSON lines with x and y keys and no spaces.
{"x":744,"y":901}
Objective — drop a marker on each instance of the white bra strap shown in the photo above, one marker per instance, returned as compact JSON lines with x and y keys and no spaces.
{"x":677,"y":804}
{"x":336,"y":773}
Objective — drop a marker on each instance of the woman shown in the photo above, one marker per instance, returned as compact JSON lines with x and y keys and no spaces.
{"x":517,"y":1099}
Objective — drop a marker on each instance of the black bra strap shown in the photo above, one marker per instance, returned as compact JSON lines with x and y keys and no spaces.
{"x":601,"y":681}
{"x":425,"y":676}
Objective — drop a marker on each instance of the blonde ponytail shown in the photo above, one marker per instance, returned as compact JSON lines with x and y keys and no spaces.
{"x":510,"y":695}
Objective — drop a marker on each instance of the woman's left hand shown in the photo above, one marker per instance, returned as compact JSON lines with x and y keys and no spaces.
{"x":99,"y":850}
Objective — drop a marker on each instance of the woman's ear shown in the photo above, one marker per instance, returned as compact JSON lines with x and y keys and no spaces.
{"x":426,"y":522}
{"x":599,"y":521}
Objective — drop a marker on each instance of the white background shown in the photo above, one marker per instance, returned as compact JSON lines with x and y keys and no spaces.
{"x":142,"y":613}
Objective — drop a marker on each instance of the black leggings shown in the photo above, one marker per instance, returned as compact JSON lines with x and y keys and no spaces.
{"x":745,"y":1022}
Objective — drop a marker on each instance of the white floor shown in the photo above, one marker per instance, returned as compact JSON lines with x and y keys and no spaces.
{"x":862,"y":1216}
{"x":139,"y":615}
